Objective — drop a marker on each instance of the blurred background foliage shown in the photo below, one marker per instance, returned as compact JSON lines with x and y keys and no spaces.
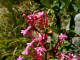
{"x":60,"y":12}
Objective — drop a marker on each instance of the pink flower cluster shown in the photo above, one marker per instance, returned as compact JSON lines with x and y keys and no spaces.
{"x":37,"y":19}
{"x":26,"y":31}
{"x":70,"y":56}
{"x":61,"y":38}
{"x":40,"y":20}
{"x":37,"y":49}
{"x":27,"y":47}
{"x":40,"y":50}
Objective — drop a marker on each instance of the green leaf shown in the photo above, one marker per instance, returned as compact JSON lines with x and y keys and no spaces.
{"x":51,"y":59}
{"x":67,"y":2}
{"x":75,"y":7}
{"x":46,"y":3}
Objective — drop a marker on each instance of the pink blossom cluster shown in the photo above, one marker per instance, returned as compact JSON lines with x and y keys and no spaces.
{"x":40,"y":38}
{"x":41,"y":20}
{"x":40,"y":50}
{"x":37,"y":19}
{"x":70,"y":56}
{"x":61,"y":38}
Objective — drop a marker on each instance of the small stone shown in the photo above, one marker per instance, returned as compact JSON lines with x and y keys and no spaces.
{"x":77,"y":24}
{"x":76,"y":41}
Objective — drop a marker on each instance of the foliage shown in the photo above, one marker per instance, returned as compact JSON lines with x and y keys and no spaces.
{"x":13,"y":18}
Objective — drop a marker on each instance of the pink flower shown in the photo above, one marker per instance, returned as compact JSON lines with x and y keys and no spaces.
{"x":40,"y":14}
{"x":58,"y":54}
{"x":79,"y":55}
{"x":44,"y":36}
{"x":62,"y":56}
{"x":24,"y":32}
{"x":62,"y":36}
{"x":75,"y":58}
{"x":29,"y":17}
{"x":71,"y":57}
{"x":39,"y":50}
{"x":27,"y":47}
{"x":25,"y":52}
{"x":40,"y":37}
{"x":19,"y":58}
{"x":67,"y":57}
{"x":24,"y":15}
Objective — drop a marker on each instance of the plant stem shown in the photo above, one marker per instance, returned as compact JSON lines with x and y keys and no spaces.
{"x":45,"y":55}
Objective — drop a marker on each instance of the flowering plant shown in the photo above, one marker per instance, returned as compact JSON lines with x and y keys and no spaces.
{"x":38,"y":22}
